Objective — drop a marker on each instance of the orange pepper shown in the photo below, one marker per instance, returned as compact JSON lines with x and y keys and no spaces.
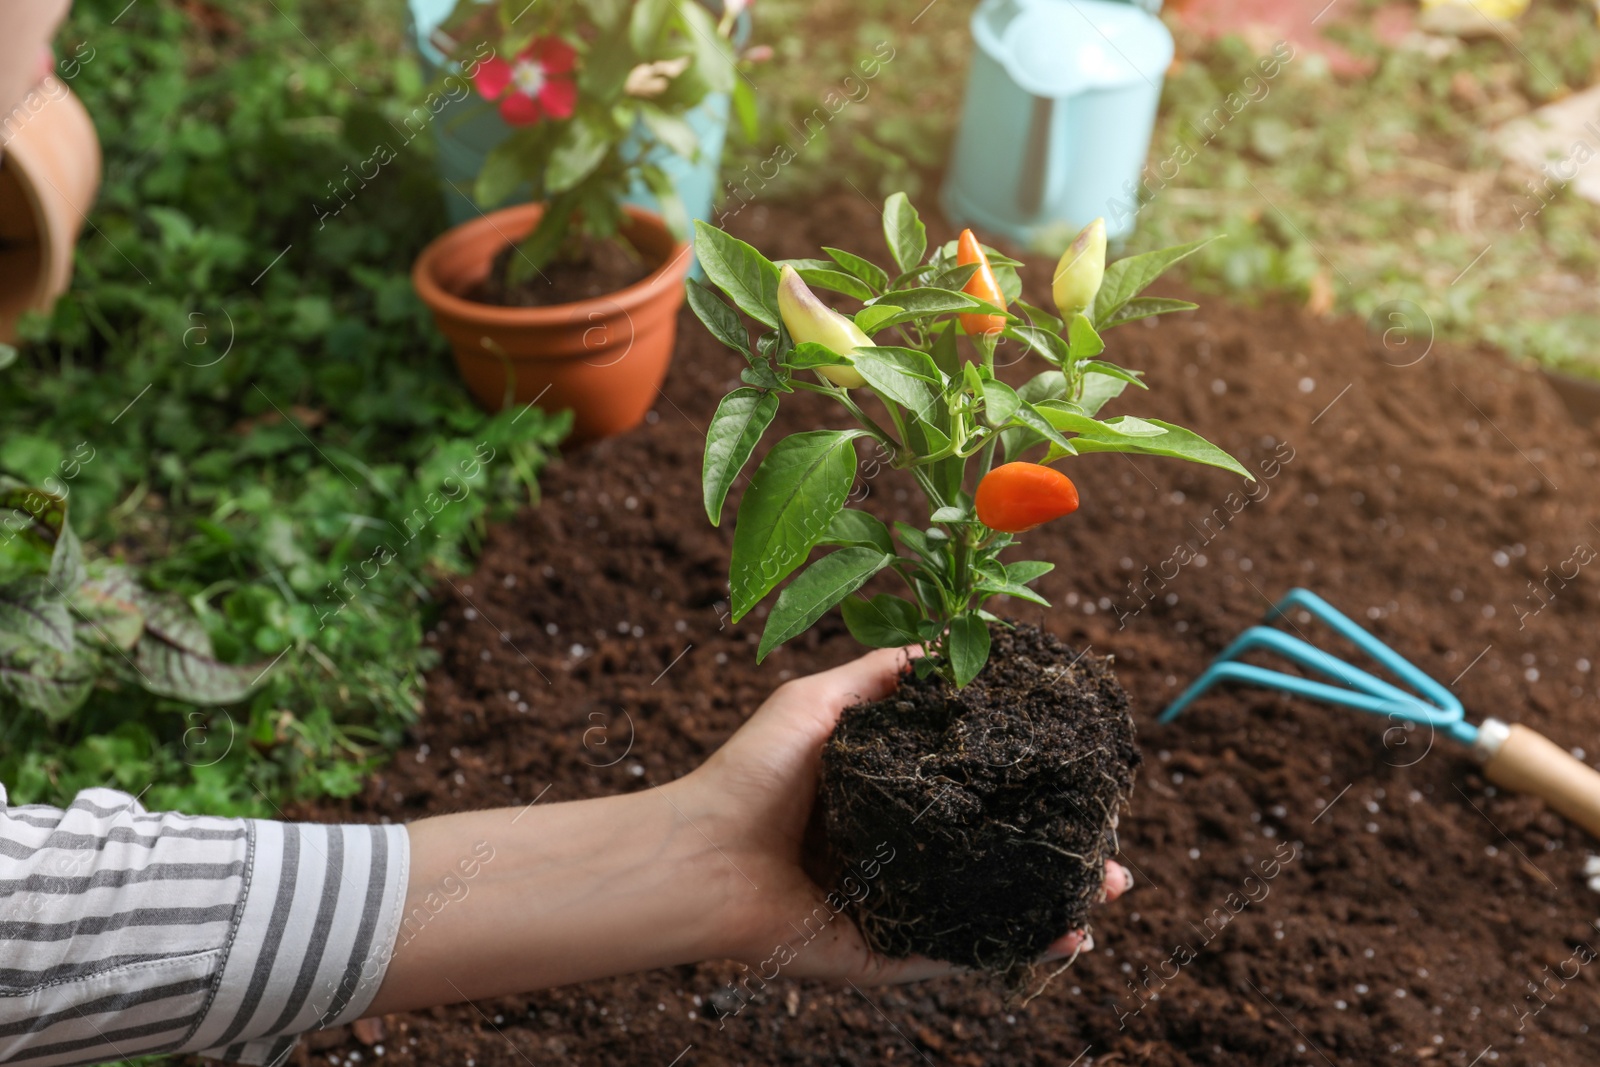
{"x":1016,"y":497}
{"x":982,"y":286}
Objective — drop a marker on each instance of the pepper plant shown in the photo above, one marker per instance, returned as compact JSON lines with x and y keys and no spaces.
{"x":978,"y":448}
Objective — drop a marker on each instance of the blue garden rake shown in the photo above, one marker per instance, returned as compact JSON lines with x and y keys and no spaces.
{"x":1513,"y":756}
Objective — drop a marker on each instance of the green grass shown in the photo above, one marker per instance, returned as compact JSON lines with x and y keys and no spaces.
{"x":264,"y":401}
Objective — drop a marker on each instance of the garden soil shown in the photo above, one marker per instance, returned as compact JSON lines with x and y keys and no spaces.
{"x":597,"y":269}
{"x":1312,"y":886}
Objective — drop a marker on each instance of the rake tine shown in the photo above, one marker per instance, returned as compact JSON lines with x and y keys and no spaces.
{"x":1360,"y":689}
{"x":1364,"y":640}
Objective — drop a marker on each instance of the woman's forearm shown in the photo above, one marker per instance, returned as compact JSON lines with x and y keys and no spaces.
{"x":709,"y":866}
{"x":516,"y":899}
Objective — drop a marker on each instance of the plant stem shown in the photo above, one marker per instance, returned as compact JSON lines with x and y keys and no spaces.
{"x":988,"y":456}
{"x":872,"y":427}
{"x":928,"y":488}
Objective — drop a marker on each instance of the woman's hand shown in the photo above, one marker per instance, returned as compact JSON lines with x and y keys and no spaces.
{"x":705,"y":867}
{"x":757,"y":792}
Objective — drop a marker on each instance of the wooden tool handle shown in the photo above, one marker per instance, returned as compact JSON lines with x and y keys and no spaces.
{"x":1526,"y":761}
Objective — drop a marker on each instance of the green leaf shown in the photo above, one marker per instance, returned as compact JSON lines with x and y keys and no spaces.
{"x":713,"y":55}
{"x":991,"y":587}
{"x":973,"y":376}
{"x":672,"y":131}
{"x":748,"y":277}
{"x":790,"y":504}
{"x":43,"y":667}
{"x":1097,"y":366}
{"x":1031,"y":418}
{"x":883,"y":622}
{"x":1174,"y":441}
{"x":32,"y":613}
{"x":904,"y":375}
{"x":859,"y":529}
{"x":576,"y":155}
{"x":606,"y":13}
{"x":66,"y":561}
{"x":1047,"y":385}
{"x":924,"y":438}
{"x":45,"y":513}
{"x":956,"y":277}
{"x":1027,"y":570}
{"x":968,"y":645}
{"x":1048,"y":345}
{"x":1009,"y":280}
{"x":540,"y":246}
{"x":1130,"y":426}
{"x":816,"y":589}
{"x":838,"y":281}
{"x":929,"y":550}
{"x":908,"y":361}
{"x":907,"y":237}
{"x":1040,"y":317}
{"x":109,"y":607}
{"x":645,"y":26}
{"x":931,"y":301}
{"x":1098,"y":390}
{"x":1143,"y":307}
{"x":736,"y":428}
{"x":1000,"y":402}
{"x":872,"y":317}
{"x":174,"y":658}
{"x":499,"y":175}
{"x":1070,"y":418}
{"x":605,"y":67}
{"x":808,"y":355}
{"x":720,"y":319}
{"x":950,"y":513}
{"x":1127,"y":278}
{"x":804,"y":263}
{"x":671,"y":205}
{"x":869,"y":272}
{"x":946,"y":352}
{"x":1084,"y":342}
{"x":746,"y":107}
{"x":760,"y":375}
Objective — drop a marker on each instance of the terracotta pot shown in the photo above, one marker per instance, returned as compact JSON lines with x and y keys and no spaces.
{"x":604,"y":358}
{"x":49,"y":174}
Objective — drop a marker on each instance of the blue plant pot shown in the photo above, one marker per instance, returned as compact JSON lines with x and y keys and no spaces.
{"x":467,"y":130}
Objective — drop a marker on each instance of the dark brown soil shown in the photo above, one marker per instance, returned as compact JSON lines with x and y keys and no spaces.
{"x":1308,"y":891}
{"x":592,"y":269}
{"x":1000,"y":801}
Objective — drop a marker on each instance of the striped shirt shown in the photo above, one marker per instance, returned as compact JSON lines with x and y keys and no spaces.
{"x":126,"y":933}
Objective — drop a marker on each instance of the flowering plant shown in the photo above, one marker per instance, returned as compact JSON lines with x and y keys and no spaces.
{"x":590,"y":89}
{"x":980,"y":450}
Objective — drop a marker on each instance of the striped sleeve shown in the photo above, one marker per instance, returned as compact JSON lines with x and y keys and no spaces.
{"x":126,"y":933}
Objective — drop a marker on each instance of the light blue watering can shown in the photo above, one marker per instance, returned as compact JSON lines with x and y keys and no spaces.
{"x":1056,"y":125}
{"x":467,"y":130}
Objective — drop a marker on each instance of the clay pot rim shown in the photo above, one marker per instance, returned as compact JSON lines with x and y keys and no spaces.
{"x":512,"y":220}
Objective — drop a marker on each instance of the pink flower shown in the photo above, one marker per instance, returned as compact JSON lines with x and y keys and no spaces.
{"x":533,"y":86}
